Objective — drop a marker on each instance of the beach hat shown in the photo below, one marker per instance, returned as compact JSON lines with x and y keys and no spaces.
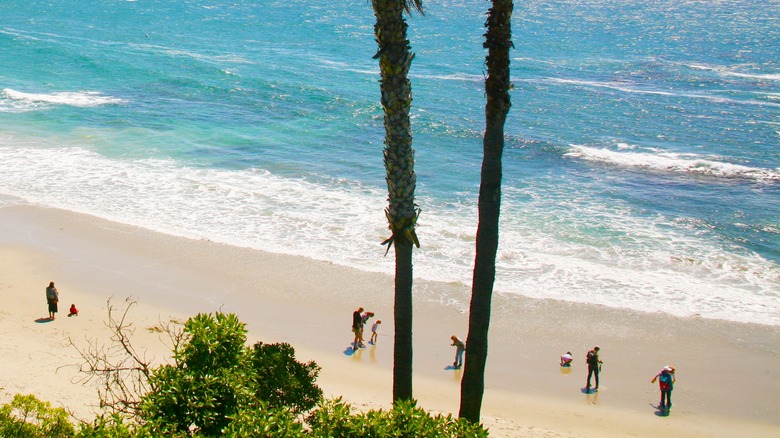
{"x":669,"y":368}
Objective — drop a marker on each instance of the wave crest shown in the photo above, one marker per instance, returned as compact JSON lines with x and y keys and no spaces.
{"x":68,"y":98}
{"x":674,"y":163}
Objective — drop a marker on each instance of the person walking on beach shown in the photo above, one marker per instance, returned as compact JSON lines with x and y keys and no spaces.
{"x":594,"y":366}
{"x":460,"y":347}
{"x":666,"y":381}
{"x":52,"y":298}
{"x":357,"y":327}
{"x":373,"y":331}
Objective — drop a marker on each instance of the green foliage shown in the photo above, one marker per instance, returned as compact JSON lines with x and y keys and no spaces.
{"x":28,"y":417}
{"x":265,"y":422}
{"x":212,"y":342}
{"x":111,"y":426}
{"x":332,"y":419}
{"x":211,"y":378}
{"x":405,"y":420}
{"x":281,"y":381}
{"x":218,"y":384}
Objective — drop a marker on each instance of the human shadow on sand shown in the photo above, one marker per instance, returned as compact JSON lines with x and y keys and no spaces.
{"x":350,"y":351}
{"x":43,"y":320}
{"x":660,"y":411}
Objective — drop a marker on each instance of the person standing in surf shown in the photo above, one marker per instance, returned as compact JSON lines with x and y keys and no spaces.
{"x":594,"y":366}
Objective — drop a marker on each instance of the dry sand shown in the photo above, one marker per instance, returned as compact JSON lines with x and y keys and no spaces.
{"x":727,"y":373}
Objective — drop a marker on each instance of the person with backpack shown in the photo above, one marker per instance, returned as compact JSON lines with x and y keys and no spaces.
{"x":52,"y":298}
{"x":594,"y":366}
{"x":666,"y":381}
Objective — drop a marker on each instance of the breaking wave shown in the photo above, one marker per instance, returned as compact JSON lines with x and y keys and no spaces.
{"x":673,"y":163}
{"x":31,"y":101}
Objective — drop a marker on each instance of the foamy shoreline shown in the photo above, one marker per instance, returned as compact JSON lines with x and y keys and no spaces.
{"x":727,"y":372}
{"x":629,"y":264}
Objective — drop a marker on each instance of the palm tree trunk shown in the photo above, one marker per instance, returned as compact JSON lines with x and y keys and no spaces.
{"x":498,"y":42}
{"x":395,"y":58}
{"x":402,"y":346}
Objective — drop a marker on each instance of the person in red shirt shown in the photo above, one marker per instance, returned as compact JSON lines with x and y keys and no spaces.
{"x":73,"y":310}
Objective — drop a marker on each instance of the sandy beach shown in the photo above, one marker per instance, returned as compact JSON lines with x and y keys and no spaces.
{"x":728,"y":383}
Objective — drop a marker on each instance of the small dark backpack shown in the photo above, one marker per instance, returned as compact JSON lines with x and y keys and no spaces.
{"x":665,"y":381}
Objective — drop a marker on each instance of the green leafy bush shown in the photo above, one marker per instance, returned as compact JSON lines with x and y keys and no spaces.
{"x":281,"y":381}
{"x":28,"y":417}
{"x":404,"y":420}
{"x":111,"y":426}
{"x":216,"y":381}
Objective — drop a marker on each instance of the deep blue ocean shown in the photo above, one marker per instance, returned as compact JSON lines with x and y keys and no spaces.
{"x":642,"y":160}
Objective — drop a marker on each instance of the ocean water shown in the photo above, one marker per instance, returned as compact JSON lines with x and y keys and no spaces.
{"x":642,"y":160}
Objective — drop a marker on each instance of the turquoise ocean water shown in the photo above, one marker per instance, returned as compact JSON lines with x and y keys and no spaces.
{"x":642,"y":162}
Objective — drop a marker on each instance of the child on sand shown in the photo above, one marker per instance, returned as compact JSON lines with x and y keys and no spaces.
{"x":73,"y":310}
{"x":666,"y":381}
{"x":566,"y":359}
{"x":373,"y":331}
{"x":460,"y":348}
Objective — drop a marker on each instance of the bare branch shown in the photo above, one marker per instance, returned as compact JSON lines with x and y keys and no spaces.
{"x":120,"y":371}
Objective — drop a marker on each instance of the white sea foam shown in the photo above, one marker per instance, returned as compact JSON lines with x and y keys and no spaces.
{"x":211,"y":58}
{"x":762,"y":77}
{"x":31,"y":101}
{"x":673,"y":162}
{"x":733,"y":71}
{"x":626,"y":88}
{"x":545,"y":249}
{"x":773,"y":96}
{"x":460,"y":77}
{"x":372,"y":70}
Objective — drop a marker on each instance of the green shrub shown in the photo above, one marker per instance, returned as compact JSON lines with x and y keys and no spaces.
{"x":281,"y":381}
{"x":404,"y":420}
{"x":111,"y":426}
{"x":265,"y":422}
{"x":211,"y":378}
{"x":212,"y":342}
{"x":28,"y":417}
{"x":218,"y":384}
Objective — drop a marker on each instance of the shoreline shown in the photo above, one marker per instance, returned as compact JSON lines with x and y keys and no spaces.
{"x":727,"y":372}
